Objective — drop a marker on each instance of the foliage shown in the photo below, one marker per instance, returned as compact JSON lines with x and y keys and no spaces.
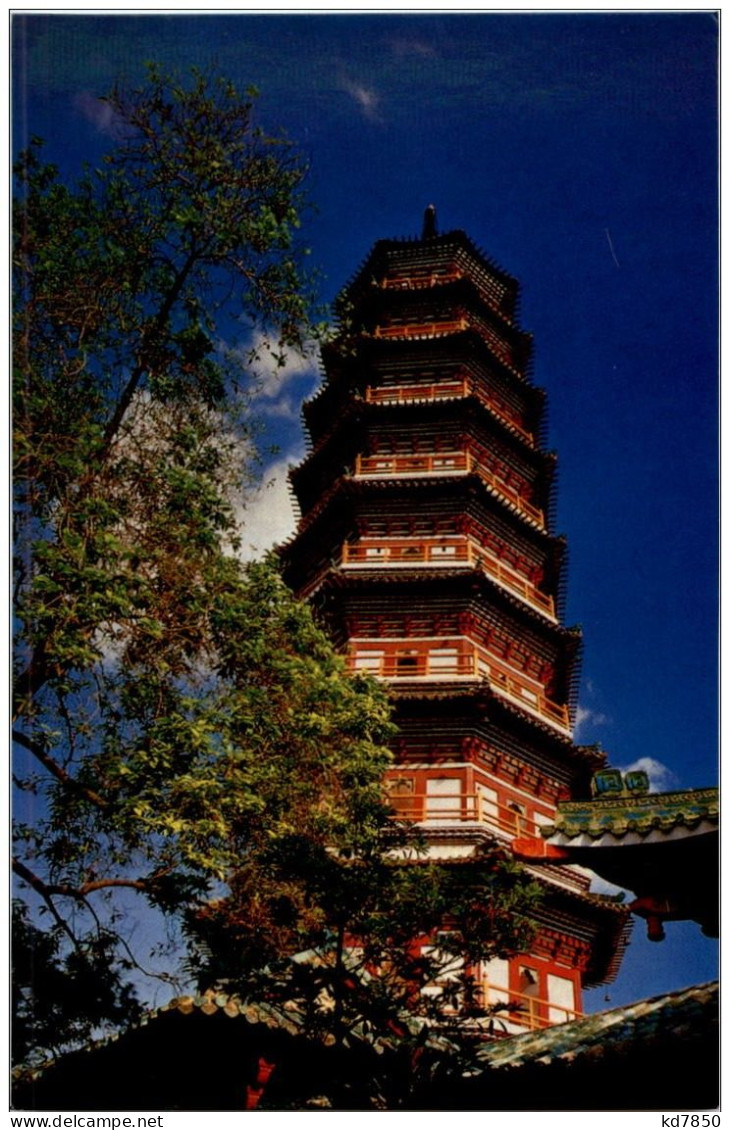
{"x":185,"y":736}
{"x":141,"y":751}
{"x":60,"y":993}
{"x":372,"y":947}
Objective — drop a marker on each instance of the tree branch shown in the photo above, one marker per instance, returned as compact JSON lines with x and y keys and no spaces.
{"x":57,"y":770}
{"x":163,"y":314}
{"x":67,"y":890}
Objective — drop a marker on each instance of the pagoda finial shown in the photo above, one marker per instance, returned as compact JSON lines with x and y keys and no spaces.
{"x":429,"y":222}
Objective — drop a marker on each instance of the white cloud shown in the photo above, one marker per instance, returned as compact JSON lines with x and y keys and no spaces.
{"x":661,"y":777}
{"x":274,"y":368}
{"x":405,"y":45}
{"x":584,"y":716}
{"x":99,"y":113}
{"x":269,"y":517}
{"x":366,"y":98}
{"x":283,"y":408}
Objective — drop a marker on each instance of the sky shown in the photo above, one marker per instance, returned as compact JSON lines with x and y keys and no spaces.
{"x":579,"y":152}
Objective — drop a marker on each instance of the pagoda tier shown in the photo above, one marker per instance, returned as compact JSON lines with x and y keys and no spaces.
{"x":399,"y":370}
{"x":431,"y":438}
{"x":426,"y":546}
{"x":418,"y":265}
{"x":434,"y":626}
{"x":368,"y":524}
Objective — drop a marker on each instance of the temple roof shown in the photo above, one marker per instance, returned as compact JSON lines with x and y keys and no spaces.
{"x":664,"y":847}
{"x":203,"y":1052}
{"x":654,"y":817}
{"x":592,"y":1037}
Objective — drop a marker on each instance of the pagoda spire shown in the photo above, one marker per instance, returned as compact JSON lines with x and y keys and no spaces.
{"x":429,"y":223}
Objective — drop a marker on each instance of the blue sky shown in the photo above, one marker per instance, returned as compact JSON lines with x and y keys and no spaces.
{"x":578,"y":150}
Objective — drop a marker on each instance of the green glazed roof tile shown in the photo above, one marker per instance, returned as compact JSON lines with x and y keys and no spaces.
{"x":620,"y":815}
{"x":671,"y":1015}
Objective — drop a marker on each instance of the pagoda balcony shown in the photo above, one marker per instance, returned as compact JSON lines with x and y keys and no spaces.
{"x":524,"y":1012}
{"x":415,"y":279}
{"x":448,"y":390}
{"x":429,"y":660}
{"x":412,"y":553}
{"x":445,"y":463}
{"x":422,"y":329}
{"x":458,"y":809}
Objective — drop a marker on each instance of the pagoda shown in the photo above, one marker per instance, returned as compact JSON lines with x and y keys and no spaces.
{"x":426,"y":546}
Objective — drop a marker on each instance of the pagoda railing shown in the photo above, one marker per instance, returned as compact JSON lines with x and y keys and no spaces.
{"x":422,"y":329}
{"x":405,"y":554}
{"x":445,"y":390}
{"x":414,"y":278}
{"x":419,"y":280}
{"x":460,"y":808}
{"x":445,"y":463}
{"x":525,"y":1011}
{"x":438,"y":659}
{"x":405,"y":394}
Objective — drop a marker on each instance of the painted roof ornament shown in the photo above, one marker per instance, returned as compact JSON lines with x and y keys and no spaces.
{"x":610,"y":782}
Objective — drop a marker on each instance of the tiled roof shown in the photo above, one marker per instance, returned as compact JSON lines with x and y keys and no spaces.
{"x":254,"y":1012}
{"x":673,"y":1015}
{"x":656,"y":815}
{"x":209,"y":1003}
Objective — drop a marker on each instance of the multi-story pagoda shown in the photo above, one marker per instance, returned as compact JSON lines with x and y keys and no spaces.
{"x":426,"y":544}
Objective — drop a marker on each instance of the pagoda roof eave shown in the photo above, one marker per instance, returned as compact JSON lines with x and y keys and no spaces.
{"x":356,"y":409}
{"x":469,"y":336}
{"x":480,"y":688}
{"x":455,"y":236}
{"x":350,"y":484}
{"x":612,"y":926}
{"x":448,"y":575}
{"x":368,"y":348}
{"x":463,"y":287}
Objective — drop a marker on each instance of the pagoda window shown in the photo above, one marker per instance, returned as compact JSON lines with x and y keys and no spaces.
{"x":443,"y":800}
{"x":530,"y":997}
{"x":561,"y":997}
{"x":368,"y":660}
{"x":487,"y":804}
{"x":542,"y":818}
{"x":401,"y":792}
{"x":407,"y":663}
{"x":495,"y":982}
{"x":443,"y":659}
{"x":516,"y":815}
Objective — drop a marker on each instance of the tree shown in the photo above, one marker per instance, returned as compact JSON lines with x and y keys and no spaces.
{"x":185,"y":735}
{"x":372,"y":948}
{"x":131,"y":445}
